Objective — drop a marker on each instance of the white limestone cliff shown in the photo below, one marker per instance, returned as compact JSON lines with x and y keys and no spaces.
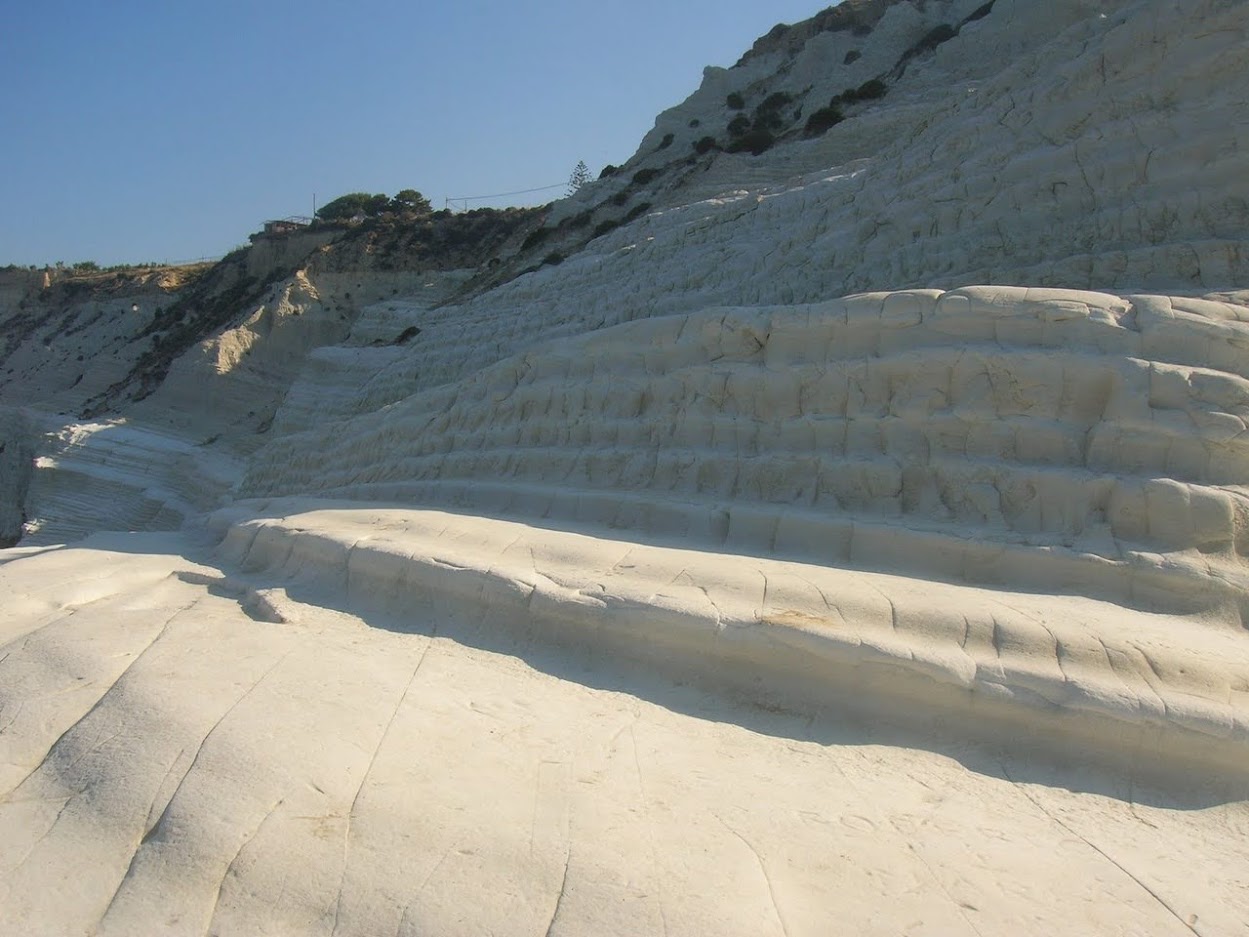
{"x":853,"y":539}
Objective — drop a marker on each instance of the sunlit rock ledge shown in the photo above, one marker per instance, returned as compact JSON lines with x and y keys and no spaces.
{"x":1055,"y":440}
{"x":635,"y":570}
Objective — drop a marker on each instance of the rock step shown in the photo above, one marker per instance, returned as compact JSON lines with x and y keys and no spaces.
{"x":881,"y":404}
{"x":1088,"y":675}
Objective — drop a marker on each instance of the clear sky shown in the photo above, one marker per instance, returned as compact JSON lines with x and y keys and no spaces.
{"x":135,"y":130}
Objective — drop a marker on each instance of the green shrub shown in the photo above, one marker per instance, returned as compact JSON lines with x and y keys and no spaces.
{"x":739,"y":125}
{"x":704,"y":145}
{"x":871,"y":90}
{"x":768,"y":113}
{"x":774,"y":102}
{"x":767,"y":120}
{"x":554,"y":258}
{"x":535,"y":238}
{"x":666,"y":141}
{"x":637,"y":211}
{"x":930,"y":40}
{"x":937,"y":35}
{"x":758,"y":140}
{"x":851,"y":57}
{"x":822,"y":120}
{"x":620,"y":197}
{"x":643,"y":176}
{"x":980,"y":12}
{"x":608,"y":170}
{"x":611,"y":224}
{"x":735,"y":101}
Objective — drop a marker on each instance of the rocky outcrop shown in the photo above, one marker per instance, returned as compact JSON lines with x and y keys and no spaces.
{"x":16,"y":458}
{"x":1079,"y":145}
{"x":855,"y":16}
{"x":1043,"y":439}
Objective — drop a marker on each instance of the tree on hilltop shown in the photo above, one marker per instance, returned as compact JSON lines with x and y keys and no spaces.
{"x":345,"y":207}
{"x":350,"y":205}
{"x":580,"y":176}
{"x":410,"y":200}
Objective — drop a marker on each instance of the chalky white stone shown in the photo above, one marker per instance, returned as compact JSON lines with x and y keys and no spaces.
{"x":758,"y":569}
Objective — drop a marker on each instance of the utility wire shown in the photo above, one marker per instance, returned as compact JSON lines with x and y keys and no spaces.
{"x":477,"y":198}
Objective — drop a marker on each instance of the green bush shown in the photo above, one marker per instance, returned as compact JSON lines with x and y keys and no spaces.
{"x":704,"y":145}
{"x":758,"y":140}
{"x":868,"y":91}
{"x":735,"y":101}
{"x":608,"y":170}
{"x":620,"y":197}
{"x":643,"y":176}
{"x":554,"y":258}
{"x":767,"y":120}
{"x":872,"y":89}
{"x":611,"y":224}
{"x":774,"y":102}
{"x":980,"y":12}
{"x":637,"y":211}
{"x":930,"y":40}
{"x":739,"y":125}
{"x":934,"y":37}
{"x":822,"y":120}
{"x":666,"y":141}
{"x":535,"y":238}
{"x":768,"y":113}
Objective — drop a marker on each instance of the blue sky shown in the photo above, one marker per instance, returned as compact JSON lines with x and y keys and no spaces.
{"x":137,"y":131}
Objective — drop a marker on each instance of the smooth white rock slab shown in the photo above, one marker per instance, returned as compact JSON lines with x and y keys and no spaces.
{"x":188,"y":768}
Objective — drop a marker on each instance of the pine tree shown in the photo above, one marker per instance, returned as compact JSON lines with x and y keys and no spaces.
{"x":580,"y":176}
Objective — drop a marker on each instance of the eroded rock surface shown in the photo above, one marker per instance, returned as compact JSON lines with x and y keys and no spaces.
{"x":843,"y":536}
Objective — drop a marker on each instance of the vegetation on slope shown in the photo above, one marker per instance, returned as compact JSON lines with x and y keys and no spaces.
{"x":407,"y":239}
